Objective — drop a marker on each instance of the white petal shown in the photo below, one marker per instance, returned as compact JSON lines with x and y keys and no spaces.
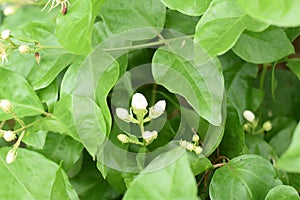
{"x":123,"y":114}
{"x":139,"y":102}
{"x":249,"y":116}
{"x":158,"y":109}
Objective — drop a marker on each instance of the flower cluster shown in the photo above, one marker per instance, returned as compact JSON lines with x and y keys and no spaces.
{"x":252,"y":123}
{"x":137,"y":114}
{"x":192,"y":146}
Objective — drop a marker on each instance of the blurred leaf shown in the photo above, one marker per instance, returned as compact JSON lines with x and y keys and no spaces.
{"x":294,"y":65}
{"x":282,"y":192}
{"x":279,"y":13}
{"x":121,"y":16}
{"x":16,"y":89}
{"x":244,"y":177}
{"x":290,"y":159}
{"x":238,"y":82}
{"x":260,"y":47}
{"x":222,"y":24}
{"x":188,"y":7}
{"x":177,"y":177}
{"x":198,"y":163}
{"x":30,"y":176}
{"x":74,"y":30}
{"x":233,"y":140}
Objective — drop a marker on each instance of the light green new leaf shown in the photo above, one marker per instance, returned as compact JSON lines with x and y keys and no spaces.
{"x":282,"y":192}
{"x":175,"y":181}
{"x":62,"y":189}
{"x":279,"y":12}
{"x":290,"y":160}
{"x":260,"y":47}
{"x":74,"y":30}
{"x":122,"y":16}
{"x":244,"y":177}
{"x":30,"y":176}
{"x":222,"y":24}
{"x":188,"y":7}
{"x":294,"y":65}
{"x":16,"y":89}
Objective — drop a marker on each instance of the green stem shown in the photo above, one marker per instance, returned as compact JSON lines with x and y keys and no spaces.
{"x":29,"y":125}
{"x":17,"y":144}
{"x":263,"y":76}
{"x":2,"y":124}
{"x":151,"y":44}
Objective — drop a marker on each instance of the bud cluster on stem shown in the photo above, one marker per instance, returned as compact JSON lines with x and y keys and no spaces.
{"x":252,"y":123}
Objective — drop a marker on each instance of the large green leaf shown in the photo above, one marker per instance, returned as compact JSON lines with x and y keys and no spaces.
{"x":222,"y":24}
{"x":290,"y":160}
{"x":188,"y":7}
{"x":244,"y":177}
{"x":294,"y":65}
{"x":260,"y":47}
{"x":122,"y":16}
{"x":282,"y":192}
{"x":30,"y":176}
{"x":16,"y":89}
{"x":238,"y":78}
{"x":74,"y":30}
{"x":175,"y":181}
{"x":201,"y":83}
{"x":279,"y":13}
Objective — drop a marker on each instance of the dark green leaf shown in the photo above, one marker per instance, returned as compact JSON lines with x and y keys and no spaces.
{"x":244,"y":177}
{"x":198,"y":163}
{"x":282,"y":192}
{"x":188,"y":7}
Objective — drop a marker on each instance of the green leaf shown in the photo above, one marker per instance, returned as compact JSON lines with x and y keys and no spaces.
{"x":16,"y":89}
{"x":260,"y":47}
{"x":62,"y":189}
{"x":188,"y":7}
{"x":30,"y":176}
{"x":282,"y":192}
{"x":180,"y":22}
{"x":233,"y":140}
{"x":238,"y":82}
{"x":175,"y":181}
{"x":294,"y":65}
{"x":201,"y":83}
{"x":74,"y":30}
{"x":199,"y":163}
{"x":122,"y":16}
{"x":49,"y":95}
{"x":222,"y":24}
{"x":290,"y":160}
{"x":279,"y":13}
{"x":244,"y":177}
{"x":62,"y":148}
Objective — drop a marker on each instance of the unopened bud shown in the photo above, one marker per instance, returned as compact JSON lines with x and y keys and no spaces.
{"x":198,"y":149}
{"x":37,"y":57}
{"x":11,"y":156}
{"x":123,"y":114}
{"x":195,"y":138}
{"x":6,"y":106}
{"x":9,"y":10}
{"x":9,"y":136}
{"x":139,"y":102}
{"x":23,"y":49}
{"x":249,"y":116}
{"x":5,"y":34}
{"x":158,"y":109}
{"x":267,"y":126}
{"x":123,"y":138}
{"x":246,"y":127}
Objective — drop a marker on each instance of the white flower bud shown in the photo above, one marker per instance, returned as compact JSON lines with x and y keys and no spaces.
{"x":6,"y":105}
{"x":198,"y":149}
{"x":123,"y":138}
{"x":9,"y":10}
{"x":267,"y":126}
{"x":5,"y":34}
{"x":23,"y":49}
{"x":189,"y":146}
{"x":139,"y":102}
{"x":11,"y":156}
{"x":195,"y":138}
{"x":123,"y":114}
{"x":183,"y":143}
{"x":158,"y":109}
{"x":9,"y":136}
{"x":149,"y":136}
{"x":249,"y":116}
